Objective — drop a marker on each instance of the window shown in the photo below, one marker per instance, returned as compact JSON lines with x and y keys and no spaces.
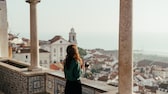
{"x":54,"y":50}
{"x":45,"y":61}
{"x":60,"y":41}
{"x":41,"y":63}
{"x":73,"y":37}
{"x":61,"y":50}
{"x":54,"y":61}
{"x":26,"y":56}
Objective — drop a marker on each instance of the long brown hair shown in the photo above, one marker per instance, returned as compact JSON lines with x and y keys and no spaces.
{"x":72,"y":53}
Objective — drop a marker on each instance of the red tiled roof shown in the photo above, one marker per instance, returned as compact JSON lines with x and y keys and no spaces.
{"x":43,"y":42}
{"x":56,"y":66}
{"x":25,"y":39}
{"x":57,"y":37}
{"x":11,"y":36}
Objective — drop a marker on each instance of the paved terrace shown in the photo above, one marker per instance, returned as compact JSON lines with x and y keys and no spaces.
{"x":15,"y":79}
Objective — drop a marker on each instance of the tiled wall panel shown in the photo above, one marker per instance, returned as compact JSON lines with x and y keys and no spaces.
{"x":56,"y":85}
{"x":36,"y":84}
{"x":50,"y":84}
{"x":12,"y":82}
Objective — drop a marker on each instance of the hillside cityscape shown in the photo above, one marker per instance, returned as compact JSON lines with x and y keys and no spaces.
{"x":150,"y":70}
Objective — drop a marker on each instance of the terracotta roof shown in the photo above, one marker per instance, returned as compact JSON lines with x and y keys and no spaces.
{"x":56,"y":66}
{"x":43,"y":42}
{"x":11,"y":36}
{"x":57,"y":37}
{"x":25,"y":39}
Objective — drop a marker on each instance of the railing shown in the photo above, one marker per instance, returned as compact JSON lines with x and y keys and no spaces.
{"x":15,"y":80}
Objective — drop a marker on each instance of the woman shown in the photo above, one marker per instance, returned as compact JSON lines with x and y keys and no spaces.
{"x":72,"y":71}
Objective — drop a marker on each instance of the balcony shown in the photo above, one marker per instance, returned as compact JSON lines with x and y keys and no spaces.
{"x":16,"y":79}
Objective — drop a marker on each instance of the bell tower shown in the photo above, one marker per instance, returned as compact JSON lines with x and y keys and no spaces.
{"x":72,"y":36}
{"x":3,"y":29}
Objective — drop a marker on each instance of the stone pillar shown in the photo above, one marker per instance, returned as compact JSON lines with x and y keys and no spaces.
{"x":34,"y":46}
{"x":3,"y":29}
{"x":125,"y":48}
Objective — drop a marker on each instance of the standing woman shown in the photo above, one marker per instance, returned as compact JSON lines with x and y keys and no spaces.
{"x":72,"y":71}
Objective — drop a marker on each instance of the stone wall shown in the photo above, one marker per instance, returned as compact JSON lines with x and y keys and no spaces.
{"x":55,"y":85}
{"x":15,"y":80}
{"x":12,"y":82}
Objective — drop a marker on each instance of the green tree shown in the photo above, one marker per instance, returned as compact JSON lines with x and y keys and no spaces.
{"x":82,"y":52}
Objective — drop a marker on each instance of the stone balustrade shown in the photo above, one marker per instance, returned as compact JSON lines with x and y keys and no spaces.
{"x":16,"y":79}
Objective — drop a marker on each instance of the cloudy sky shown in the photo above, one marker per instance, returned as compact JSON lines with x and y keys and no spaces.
{"x":96,"y":22}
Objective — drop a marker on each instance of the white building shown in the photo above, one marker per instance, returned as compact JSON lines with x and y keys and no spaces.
{"x":23,"y":54}
{"x":58,"y":49}
{"x":51,"y":51}
{"x":161,"y":73}
{"x":57,"y":46}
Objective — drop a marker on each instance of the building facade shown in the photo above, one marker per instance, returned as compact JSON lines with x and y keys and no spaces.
{"x":23,"y":54}
{"x":58,"y":49}
{"x":57,"y":46}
